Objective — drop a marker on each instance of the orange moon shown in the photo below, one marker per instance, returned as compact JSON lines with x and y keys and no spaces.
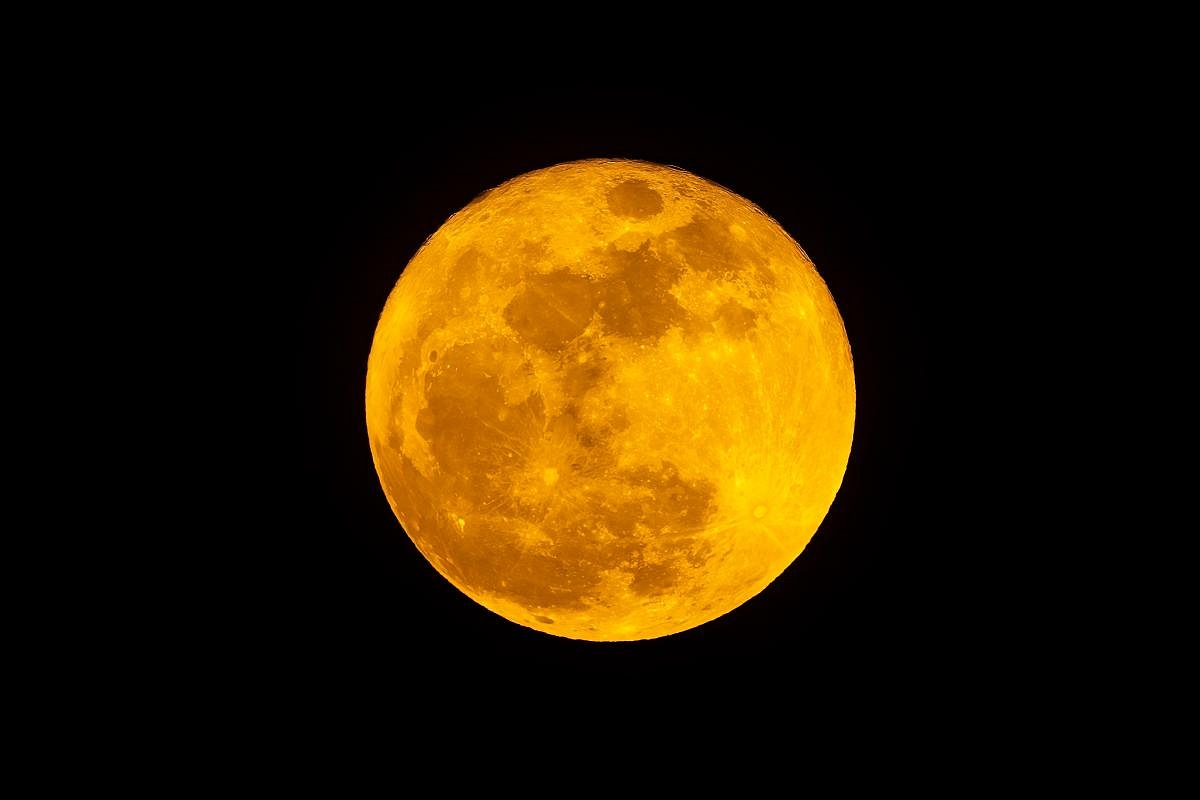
{"x":610,"y":400}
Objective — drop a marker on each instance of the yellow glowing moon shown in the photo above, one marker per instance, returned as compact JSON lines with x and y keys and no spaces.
{"x":610,"y":400}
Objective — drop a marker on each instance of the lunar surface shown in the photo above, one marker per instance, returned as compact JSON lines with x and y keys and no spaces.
{"x":610,"y":400}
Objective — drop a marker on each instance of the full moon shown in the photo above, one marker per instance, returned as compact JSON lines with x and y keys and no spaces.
{"x":610,"y":400}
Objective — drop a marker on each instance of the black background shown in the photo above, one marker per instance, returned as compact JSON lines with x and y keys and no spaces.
{"x":867,"y":190}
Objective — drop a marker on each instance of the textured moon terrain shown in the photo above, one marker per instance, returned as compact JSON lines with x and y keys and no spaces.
{"x":610,"y":400}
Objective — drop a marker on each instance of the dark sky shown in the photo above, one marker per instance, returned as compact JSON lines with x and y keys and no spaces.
{"x":870,"y":194}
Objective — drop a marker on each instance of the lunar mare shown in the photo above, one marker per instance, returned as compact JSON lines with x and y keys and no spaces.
{"x":610,"y":400}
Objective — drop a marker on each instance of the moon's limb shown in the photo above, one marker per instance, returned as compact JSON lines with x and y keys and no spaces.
{"x":610,"y":400}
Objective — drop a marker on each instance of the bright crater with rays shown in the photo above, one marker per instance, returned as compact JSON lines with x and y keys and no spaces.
{"x":610,"y":400}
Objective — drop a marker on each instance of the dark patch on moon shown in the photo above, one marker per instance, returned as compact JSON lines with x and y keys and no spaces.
{"x":552,"y":309}
{"x":707,"y":246}
{"x":765,"y":276}
{"x":492,"y":558}
{"x":467,"y":270}
{"x":468,"y":426}
{"x":637,"y":301}
{"x":654,"y":579}
{"x":579,"y":377}
{"x":413,"y":492}
{"x":734,"y":319}
{"x":634,"y":199}
{"x":634,"y":301}
{"x":665,"y":509}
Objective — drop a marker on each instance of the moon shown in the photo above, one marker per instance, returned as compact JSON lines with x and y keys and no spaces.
{"x":610,"y":400}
